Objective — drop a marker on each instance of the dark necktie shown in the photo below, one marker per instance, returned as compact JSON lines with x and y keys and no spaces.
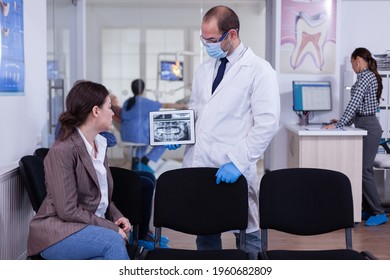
{"x":220,"y":73}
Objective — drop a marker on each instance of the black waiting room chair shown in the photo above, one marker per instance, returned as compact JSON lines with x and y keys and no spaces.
{"x":33,"y":176}
{"x":307,"y":202}
{"x":41,"y":152}
{"x":188,"y":200}
{"x":128,"y":197}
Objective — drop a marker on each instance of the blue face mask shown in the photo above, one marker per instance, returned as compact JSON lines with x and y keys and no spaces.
{"x":215,"y":50}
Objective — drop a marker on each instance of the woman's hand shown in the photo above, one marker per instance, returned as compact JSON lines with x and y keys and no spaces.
{"x":124,"y":224}
{"x":180,"y":106}
{"x":329,"y":126}
{"x":123,"y":234}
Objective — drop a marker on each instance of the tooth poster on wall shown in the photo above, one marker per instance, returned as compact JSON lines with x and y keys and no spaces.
{"x":308,"y":36}
{"x":12,"y":48}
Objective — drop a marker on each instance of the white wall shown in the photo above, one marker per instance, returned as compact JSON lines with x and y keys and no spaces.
{"x":23,"y":118}
{"x":359,"y":24}
{"x":184,"y":15}
{"x":364,"y":24}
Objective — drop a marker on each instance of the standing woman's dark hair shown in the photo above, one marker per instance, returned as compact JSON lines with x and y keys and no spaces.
{"x":137,"y":87}
{"x":372,"y":65}
{"x":83,"y":96}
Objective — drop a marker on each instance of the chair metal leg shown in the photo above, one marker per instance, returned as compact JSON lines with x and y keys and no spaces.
{"x":264,"y":239}
{"x":134,"y":163}
{"x":348,"y":238}
{"x":157,"y":238}
{"x":242,"y":239}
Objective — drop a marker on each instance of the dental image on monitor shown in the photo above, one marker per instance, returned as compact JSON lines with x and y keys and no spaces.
{"x":172,"y":127}
{"x":171,"y":71}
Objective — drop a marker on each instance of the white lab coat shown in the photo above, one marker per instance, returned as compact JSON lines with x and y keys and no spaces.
{"x":237,"y":122}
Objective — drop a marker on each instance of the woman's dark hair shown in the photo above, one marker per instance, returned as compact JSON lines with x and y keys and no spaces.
{"x":372,"y":65}
{"x":80,"y":101}
{"x":227,"y":19}
{"x":137,"y":87}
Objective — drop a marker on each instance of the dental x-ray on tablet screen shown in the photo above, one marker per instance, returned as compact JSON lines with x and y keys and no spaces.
{"x":172,"y":127}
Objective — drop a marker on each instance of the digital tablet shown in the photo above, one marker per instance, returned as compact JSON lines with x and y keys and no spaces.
{"x":172,"y":127}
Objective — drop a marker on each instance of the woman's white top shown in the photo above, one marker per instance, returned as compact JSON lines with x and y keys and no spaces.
{"x":101,"y":172}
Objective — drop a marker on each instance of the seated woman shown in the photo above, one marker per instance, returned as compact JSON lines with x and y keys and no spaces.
{"x":77,"y":220}
{"x":135,"y":123}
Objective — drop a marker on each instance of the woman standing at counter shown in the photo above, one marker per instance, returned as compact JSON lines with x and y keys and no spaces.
{"x":361,"y":110}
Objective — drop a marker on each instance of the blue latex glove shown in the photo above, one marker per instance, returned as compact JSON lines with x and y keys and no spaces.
{"x":173,"y":146}
{"x":228,"y":173}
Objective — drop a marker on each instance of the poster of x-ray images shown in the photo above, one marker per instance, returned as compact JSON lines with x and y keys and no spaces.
{"x":12,"y":48}
{"x":308,"y":36}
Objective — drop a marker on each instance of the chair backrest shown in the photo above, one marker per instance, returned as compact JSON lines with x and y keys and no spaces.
{"x":41,"y":152}
{"x":127,"y":194}
{"x":33,"y":176}
{"x":305,"y":201}
{"x":189,"y":200}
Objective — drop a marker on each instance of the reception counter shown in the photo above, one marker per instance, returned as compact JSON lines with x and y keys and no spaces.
{"x":340,"y":150}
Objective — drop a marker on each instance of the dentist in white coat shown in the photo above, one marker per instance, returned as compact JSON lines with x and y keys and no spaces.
{"x":236,"y":122}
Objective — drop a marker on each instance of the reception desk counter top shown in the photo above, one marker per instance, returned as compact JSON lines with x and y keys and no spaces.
{"x":316,"y":130}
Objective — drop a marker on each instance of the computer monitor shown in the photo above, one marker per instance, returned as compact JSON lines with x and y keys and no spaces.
{"x":171,"y":70}
{"x":312,"y":96}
